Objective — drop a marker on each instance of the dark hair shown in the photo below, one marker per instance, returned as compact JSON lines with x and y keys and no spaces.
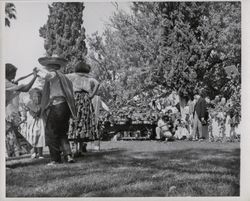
{"x":165,"y":118}
{"x":10,"y":70}
{"x":82,"y":67}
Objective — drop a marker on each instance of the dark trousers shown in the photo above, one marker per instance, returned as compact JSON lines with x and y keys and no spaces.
{"x":56,"y":131}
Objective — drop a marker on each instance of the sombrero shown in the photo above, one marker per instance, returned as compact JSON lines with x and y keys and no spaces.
{"x":46,"y":61}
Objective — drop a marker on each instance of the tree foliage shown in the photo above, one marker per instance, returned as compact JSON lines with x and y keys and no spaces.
{"x":125,"y":56}
{"x":10,"y":13}
{"x":64,"y":33}
{"x":201,"y":39}
{"x":179,"y":46}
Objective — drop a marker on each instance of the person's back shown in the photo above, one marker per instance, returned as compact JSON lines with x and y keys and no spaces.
{"x":80,"y":82}
{"x":85,"y":125}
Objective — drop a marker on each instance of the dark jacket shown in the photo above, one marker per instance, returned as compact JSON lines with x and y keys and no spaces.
{"x":201,"y":109}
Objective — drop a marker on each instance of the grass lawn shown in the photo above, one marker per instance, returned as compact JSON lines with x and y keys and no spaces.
{"x":132,"y":169}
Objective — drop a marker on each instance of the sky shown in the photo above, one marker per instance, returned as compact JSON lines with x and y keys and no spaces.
{"x":22,"y":44}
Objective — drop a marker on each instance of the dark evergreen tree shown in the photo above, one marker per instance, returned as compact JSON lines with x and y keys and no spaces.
{"x":64,"y":33}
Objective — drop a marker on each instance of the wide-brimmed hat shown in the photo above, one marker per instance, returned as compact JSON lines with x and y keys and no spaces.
{"x":47,"y":61}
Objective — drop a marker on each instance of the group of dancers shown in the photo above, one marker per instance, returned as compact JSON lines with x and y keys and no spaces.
{"x":60,"y":110}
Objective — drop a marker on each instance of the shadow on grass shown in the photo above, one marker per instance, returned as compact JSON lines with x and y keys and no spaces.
{"x":26,"y":162}
{"x":123,"y":173}
{"x":97,"y":155}
{"x":195,"y":157}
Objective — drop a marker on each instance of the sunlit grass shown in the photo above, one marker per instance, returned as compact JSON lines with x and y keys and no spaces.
{"x":133,"y":169}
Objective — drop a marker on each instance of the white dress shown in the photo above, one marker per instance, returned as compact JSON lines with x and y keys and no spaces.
{"x":215,"y":128}
{"x":35,"y":131}
{"x":181,"y":132}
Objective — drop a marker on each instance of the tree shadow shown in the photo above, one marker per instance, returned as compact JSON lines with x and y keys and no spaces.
{"x":192,"y":158}
{"x":189,"y":164}
{"x":97,"y":155}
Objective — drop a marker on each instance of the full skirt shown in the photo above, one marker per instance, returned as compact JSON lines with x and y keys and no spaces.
{"x":84,"y":125}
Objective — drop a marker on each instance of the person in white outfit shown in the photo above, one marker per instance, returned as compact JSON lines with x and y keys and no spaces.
{"x":163,"y":129}
{"x":35,"y":124}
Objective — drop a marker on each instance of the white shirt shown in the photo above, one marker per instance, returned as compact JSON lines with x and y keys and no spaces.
{"x":55,"y":88}
{"x":81,"y":81}
{"x":12,"y":107}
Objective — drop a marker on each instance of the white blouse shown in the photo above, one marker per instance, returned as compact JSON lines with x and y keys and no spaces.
{"x":12,"y":107}
{"x":81,"y":81}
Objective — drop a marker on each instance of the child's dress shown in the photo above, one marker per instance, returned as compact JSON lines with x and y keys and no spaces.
{"x":35,"y":126}
{"x":181,"y":132}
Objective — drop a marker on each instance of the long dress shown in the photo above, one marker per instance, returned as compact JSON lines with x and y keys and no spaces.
{"x":35,"y":128}
{"x":15,"y":142}
{"x":83,"y":127}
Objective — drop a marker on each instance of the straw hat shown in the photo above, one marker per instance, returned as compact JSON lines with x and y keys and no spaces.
{"x":53,"y":61}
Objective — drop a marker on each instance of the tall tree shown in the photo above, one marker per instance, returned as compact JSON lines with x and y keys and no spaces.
{"x":126,"y":54}
{"x":171,"y":45}
{"x":10,"y":13}
{"x":202,"y":38}
{"x":64,"y":33}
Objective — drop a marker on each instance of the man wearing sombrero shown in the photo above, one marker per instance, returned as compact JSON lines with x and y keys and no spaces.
{"x":57,"y":105}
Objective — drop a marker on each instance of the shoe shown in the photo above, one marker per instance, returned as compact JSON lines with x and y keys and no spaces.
{"x":34,"y":155}
{"x":70,"y":159}
{"x":40,"y":157}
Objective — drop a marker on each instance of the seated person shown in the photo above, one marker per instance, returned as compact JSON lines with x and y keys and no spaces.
{"x":181,"y":132}
{"x":163,"y":129}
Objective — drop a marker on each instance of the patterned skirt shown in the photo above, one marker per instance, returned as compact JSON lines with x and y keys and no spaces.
{"x":84,"y":126}
{"x":16,"y":144}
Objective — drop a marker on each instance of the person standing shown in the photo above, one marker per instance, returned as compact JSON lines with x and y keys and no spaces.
{"x":12,"y":119}
{"x":83,"y":127}
{"x":35,"y":125}
{"x":200,"y":116}
{"x":57,"y":105}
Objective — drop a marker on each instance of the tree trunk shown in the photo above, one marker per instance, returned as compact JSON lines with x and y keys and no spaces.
{"x":182,"y":103}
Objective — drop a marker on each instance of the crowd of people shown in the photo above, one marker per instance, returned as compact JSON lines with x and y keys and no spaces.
{"x":201,"y":119}
{"x":191,"y":124}
{"x":63,"y":114}
{"x":198,"y":119}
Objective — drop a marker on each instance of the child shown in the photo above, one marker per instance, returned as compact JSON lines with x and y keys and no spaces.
{"x":181,"y":132}
{"x":35,"y":124}
{"x":163,"y":129}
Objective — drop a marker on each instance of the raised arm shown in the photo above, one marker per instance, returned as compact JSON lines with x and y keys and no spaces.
{"x":21,"y":78}
{"x":26,"y":88}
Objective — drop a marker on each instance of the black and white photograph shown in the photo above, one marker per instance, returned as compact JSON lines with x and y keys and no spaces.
{"x":122,"y":99}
